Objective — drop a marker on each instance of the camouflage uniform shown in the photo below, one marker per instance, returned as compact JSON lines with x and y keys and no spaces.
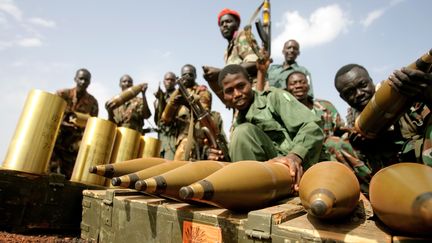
{"x":166,"y":133}
{"x":330,"y":118}
{"x":274,"y":125}
{"x":337,"y":148}
{"x":330,"y":122}
{"x":277,"y":76}
{"x":130,"y":114}
{"x":427,"y":143}
{"x":408,"y":140}
{"x":239,"y":50}
{"x":69,"y":137}
{"x":182,"y":121}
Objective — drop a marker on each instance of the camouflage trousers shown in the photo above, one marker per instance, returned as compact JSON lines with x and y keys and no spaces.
{"x":427,"y":144}
{"x":339,"y":149}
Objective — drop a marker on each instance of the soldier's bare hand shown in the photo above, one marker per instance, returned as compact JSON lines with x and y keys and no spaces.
{"x":210,"y":73}
{"x":263,"y":63}
{"x":111,"y":104}
{"x":410,"y":82}
{"x":180,"y":100}
{"x":215,"y":154}
{"x":357,"y":140}
{"x":293,"y":162}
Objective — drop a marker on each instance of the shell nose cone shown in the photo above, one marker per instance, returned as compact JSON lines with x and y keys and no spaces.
{"x":92,"y":169}
{"x":140,"y":185}
{"x":116,"y":181}
{"x":186,"y":192}
{"x":318,"y":208}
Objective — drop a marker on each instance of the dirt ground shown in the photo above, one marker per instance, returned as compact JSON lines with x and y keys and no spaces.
{"x":11,"y":237}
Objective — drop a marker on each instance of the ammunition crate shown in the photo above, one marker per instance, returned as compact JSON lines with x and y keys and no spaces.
{"x":124,"y":215}
{"x":33,"y":202}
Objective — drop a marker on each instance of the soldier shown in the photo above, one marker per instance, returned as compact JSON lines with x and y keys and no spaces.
{"x":177,"y":113}
{"x":70,"y":135}
{"x":240,"y":50}
{"x":405,"y":140}
{"x":297,"y":85}
{"x":278,"y":73}
{"x":133,"y":112}
{"x":336,"y":146}
{"x":270,"y":126}
{"x":166,"y":133}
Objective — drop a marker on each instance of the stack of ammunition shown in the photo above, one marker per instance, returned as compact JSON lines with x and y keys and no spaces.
{"x":401,"y":195}
{"x":226,"y":185}
{"x":169,"y":183}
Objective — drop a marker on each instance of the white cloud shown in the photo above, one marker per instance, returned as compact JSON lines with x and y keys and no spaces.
{"x":30,"y":42}
{"x":378,"y":13}
{"x":372,"y":16}
{"x":9,"y":7}
{"x":324,"y":25}
{"x":14,"y":23}
{"x":42,"y":22}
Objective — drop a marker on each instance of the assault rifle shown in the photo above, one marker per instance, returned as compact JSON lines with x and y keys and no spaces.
{"x":161,"y":103}
{"x":209,"y":127}
{"x":264,"y":27}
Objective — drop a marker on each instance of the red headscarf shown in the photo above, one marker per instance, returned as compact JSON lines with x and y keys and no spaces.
{"x":228,"y":11}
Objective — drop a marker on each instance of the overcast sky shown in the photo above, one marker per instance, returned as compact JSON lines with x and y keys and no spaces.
{"x":43,"y":43}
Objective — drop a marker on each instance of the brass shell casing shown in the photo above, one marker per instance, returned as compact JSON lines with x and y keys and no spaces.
{"x":126,"y":145}
{"x":387,"y":104}
{"x":150,"y":147}
{"x":95,"y":149}
{"x":329,"y":190}
{"x":36,"y":132}
{"x":401,"y":196}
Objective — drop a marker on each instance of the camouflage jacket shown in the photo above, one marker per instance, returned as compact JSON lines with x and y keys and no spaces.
{"x":406,"y":140}
{"x":69,"y":137}
{"x":130,"y":114}
{"x":239,"y":50}
{"x":183,"y":113}
{"x":329,"y":116}
{"x":86,"y":104}
{"x":179,"y":115}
